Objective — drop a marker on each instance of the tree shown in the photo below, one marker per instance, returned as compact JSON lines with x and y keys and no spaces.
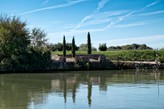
{"x":83,"y":47}
{"x":38,"y":37}
{"x":102,"y":47}
{"x":131,"y":47}
{"x":94,"y":49}
{"x":59,"y":46}
{"x":14,"y":40}
{"x":64,"y":46}
{"x":15,"y":52}
{"x":73,"y":47}
{"x":69,"y":46}
{"x":89,"y":43}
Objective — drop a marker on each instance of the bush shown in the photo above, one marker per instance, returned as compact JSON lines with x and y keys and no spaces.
{"x":83,"y":47}
{"x":132,"y":55}
{"x":102,"y":47}
{"x":38,"y":59}
{"x":161,"y":56}
{"x":131,"y":47}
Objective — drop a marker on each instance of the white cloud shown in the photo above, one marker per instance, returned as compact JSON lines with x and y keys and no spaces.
{"x":118,"y":19}
{"x":103,"y":17}
{"x":45,"y":2}
{"x":151,"y":13}
{"x":121,"y":18}
{"x":112,"y":18}
{"x":152,"y":4}
{"x":77,"y":32}
{"x":101,"y":4}
{"x":129,"y":25}
{"x":54,"y":7}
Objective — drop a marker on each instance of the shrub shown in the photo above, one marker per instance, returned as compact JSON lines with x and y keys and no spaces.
{"x":102,"y":47}
{"x":161,"y":56}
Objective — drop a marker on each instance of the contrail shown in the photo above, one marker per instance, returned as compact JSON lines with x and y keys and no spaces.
{"x":54,"y":7}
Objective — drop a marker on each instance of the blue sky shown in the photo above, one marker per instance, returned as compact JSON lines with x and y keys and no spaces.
{"x":114,"y":22}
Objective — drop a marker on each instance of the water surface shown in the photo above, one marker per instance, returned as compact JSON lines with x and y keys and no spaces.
{"x":127,"y":89}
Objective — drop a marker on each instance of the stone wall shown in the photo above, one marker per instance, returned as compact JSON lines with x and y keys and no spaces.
{"x":98,"y":57}
{"x":83,"y":62}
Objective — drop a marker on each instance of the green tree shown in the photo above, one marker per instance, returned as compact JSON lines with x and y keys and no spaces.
{"x":69,"y":46}
{"x":73,"y":47}
{"x":89,"y":43}
{"x":83,"y":47}
{"x":58,"y":46}
{"x":64,"y":47}
{"x":38,"y":37}
{"x":14,"y":40}
{"x":15,"y":52}
{"x":102,"y":47}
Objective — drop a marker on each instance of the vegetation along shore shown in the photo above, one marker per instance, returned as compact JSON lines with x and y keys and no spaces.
{"x":22,"y":49}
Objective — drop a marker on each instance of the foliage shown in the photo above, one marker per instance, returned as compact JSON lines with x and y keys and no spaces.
{"x":15,"y":51}
{"x":94,"y":49}
{"x":73,"y":47}
{"x":80,"y":64}
{"x":64,"y":46}
{"x":69,"y":46}
{"x":131,"y":47}
{"x":83,"y":47}
{"x":161,"y":56}
{"x":38,"y":37}
{"x":38,"y":59}
{"x":14,"y":40}
{"x":102,"y":47}
{"x":59,"y":47}
{"x":162,"y":49}
{"x":89,"y":44}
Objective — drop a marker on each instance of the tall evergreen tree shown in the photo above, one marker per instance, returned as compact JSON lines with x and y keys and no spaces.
{"x":64,"y":46}
{"x":89,"y":44}
{"x":73,"y":47}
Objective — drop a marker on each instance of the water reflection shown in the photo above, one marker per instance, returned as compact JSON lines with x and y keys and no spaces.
{"x":18,"y":91}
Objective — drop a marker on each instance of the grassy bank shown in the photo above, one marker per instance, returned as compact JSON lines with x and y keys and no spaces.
{"x":127,"y":55}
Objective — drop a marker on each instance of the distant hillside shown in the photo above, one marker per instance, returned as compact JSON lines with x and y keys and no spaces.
{"x":131,"y":47}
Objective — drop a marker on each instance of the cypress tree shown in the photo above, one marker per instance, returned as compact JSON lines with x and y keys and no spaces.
{"x":64,"y":46}
{"x":73,"y":47}
{"x":89,"y":43}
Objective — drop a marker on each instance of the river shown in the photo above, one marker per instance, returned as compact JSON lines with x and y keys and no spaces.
{"x":112,"y":89}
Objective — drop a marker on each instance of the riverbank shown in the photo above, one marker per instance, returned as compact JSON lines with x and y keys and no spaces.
{"x":99,"y":62}
{"x":91,"y":62}
{"x":81,"y":64}
{"x":124,"y":55}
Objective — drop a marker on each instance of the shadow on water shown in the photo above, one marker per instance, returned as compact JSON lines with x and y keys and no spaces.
{"x":17,"y":91}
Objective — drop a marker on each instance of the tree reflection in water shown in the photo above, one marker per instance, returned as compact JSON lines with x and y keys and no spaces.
{"x":17,"y":91}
